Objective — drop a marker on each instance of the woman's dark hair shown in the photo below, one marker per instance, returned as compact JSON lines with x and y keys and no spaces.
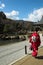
{"x":37,"y":29}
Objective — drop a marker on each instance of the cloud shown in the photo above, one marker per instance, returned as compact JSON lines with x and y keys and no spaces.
{"x":2,"y":5}
{"x":13,"y":14}
{"x":35,"y":16}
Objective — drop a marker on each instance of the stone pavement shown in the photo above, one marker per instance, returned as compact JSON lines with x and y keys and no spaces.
{"x":29,"y":60}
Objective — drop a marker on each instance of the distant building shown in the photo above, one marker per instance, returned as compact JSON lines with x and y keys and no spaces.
{"x":39,"y":24}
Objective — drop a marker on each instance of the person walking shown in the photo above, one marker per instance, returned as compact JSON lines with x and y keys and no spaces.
{"x":35,"y":42}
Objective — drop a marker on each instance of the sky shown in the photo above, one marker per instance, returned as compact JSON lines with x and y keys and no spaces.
{"x":28,"y":10}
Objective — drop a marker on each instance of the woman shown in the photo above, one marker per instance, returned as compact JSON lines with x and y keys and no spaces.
{"x":35,"y":42}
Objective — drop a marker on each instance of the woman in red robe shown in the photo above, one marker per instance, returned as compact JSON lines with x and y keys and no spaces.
{"x":35,"y":42}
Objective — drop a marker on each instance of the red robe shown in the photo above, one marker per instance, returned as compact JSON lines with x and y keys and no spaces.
{"x":36,"y":44}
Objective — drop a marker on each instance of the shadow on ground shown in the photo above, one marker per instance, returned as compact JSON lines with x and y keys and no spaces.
{"x":39,"y":57}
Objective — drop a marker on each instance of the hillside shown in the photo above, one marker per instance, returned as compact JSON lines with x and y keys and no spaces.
{"x":14,"y":26}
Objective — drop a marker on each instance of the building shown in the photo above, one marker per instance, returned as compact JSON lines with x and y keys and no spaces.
{"x":39,"y":24}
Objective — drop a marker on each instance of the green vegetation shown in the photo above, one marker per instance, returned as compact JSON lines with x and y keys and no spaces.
{"x":10,"y":28}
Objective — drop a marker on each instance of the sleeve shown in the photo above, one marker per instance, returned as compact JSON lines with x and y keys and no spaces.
{"x":39,"y":41}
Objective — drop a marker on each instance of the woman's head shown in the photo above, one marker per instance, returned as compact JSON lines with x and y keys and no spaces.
{"x":37,"y":29}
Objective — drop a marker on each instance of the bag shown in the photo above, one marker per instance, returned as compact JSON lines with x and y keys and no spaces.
{"x":34,"y":53}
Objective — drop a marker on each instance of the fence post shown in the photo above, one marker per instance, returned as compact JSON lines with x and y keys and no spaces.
{"x":25,"y":49}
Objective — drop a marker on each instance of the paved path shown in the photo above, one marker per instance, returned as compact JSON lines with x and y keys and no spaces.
{"x":12,"y":52}
{"x":29,"y":60}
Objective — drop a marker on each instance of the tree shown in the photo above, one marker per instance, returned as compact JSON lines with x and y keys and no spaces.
{"x":1,"y":28}
{"x":2,"y":15}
